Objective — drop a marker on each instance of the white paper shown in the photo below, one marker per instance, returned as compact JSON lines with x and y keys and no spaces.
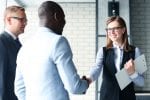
{"x":123,"y":77}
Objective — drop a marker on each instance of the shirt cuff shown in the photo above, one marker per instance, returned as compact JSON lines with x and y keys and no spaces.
{"x":134,"y":75}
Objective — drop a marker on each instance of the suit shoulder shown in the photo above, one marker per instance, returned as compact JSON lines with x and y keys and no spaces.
{"x":2,"y":46}
{"x":2,"y":35}
{"x":60,"y":38}
{"x":61,"y":41}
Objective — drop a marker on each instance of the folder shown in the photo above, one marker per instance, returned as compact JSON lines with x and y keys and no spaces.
{"x":123,"y":77}
{"x":140,"y":64}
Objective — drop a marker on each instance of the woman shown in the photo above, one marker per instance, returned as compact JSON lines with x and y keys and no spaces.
{"x":117,"y":54}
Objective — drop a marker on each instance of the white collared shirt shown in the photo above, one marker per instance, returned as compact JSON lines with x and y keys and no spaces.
{"x":118,"y":56}
{"x":11,"y":34}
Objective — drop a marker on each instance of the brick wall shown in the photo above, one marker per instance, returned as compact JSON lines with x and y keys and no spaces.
{"x":80,"y":31}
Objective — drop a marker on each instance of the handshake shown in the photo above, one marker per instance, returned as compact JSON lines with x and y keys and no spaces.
{"x":89,"y":81}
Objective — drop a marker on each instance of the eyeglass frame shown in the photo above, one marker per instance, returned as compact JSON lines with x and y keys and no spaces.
{"x":113,"y":29}
{"x":20,"y":19}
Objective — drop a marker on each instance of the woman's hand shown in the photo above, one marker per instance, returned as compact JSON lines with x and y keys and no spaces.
{"x":87,"y":79}
{"x":129,"y":66}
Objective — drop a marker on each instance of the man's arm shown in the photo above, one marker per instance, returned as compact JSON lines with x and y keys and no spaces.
{"x":68,"y":73}
{"x":3,"y":67}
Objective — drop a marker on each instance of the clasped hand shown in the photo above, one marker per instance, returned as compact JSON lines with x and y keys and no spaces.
{"x":89,"y":81}
{"x":129,"y":66}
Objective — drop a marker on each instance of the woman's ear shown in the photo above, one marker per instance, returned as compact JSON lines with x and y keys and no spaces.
{"x":123,"y":30}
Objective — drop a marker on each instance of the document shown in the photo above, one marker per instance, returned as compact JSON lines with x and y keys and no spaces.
{"x":123,"y":77}
{"x":140,"y":64}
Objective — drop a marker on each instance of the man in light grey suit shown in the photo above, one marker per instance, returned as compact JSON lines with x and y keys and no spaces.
{"x":45,"y":70}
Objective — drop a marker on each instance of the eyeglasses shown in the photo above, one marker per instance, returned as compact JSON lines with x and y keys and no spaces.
{"x":20,"y":19}
{"x":113,"y":29}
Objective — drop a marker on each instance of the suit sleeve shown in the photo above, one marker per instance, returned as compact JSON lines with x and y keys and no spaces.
{"x":137,"y":78}
{"x":3,"y":65}
{"x":63,"y":59}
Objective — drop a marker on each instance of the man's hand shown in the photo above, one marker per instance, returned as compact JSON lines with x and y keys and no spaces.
{"x":89,"y":81}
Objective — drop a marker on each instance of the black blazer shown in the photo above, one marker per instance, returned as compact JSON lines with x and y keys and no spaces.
{"x":8,"y":54}
{"x":110,"y":89}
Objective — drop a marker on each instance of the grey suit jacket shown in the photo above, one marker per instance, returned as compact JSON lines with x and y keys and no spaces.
{"x":45,"y":69}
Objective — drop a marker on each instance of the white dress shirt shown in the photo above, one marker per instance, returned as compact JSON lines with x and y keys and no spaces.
{"x":11,"y":34}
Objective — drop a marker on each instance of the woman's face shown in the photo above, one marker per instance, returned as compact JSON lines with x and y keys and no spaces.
{"x":115,"y":32}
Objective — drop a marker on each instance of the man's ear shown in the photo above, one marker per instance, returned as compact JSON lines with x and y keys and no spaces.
{"x":55,"y":16}
{"x":8,"y":20}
